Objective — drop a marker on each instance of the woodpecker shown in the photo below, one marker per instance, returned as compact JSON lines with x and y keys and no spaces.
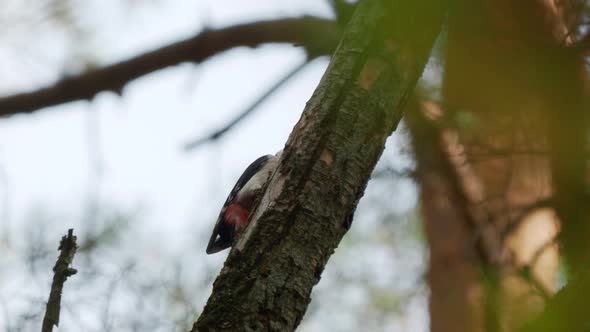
{"x":236,"y":210}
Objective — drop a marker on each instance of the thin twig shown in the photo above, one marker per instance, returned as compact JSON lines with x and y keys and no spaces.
{"x":526,"y":272}
{"x":62,"y":271}
{"x":215,"y":135}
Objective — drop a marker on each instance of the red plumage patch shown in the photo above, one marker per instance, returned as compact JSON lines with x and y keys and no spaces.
{"x":236,"y":215}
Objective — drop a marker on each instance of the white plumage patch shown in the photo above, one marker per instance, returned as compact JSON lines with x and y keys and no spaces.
{"x":259,"y":179}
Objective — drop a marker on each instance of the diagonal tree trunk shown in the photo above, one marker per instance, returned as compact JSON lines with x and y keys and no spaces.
{"x":266,"y":282}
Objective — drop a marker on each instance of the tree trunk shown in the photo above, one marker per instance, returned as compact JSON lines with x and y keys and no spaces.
{"x":267,"y":279}
{"x":504,"y":66}
{"x":454,"y":263}
{"x":492,"y":260}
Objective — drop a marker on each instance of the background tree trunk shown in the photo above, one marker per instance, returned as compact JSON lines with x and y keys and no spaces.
{"x":453,"y":274}
{"x":507,"y":74}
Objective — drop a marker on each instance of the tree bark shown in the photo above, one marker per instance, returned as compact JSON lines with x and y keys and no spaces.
{"x":266,"y":282}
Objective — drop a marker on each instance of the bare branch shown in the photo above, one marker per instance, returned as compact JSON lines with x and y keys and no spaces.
{"x":62,"y":271}
{"x":318,"y":36}
{"x":250,"y":109}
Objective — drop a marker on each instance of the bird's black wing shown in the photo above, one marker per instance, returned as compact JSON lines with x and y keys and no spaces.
{"x":222,"y":236}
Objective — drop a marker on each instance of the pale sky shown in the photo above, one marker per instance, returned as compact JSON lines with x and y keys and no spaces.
{"x":140,"y":136}
{"x":49,"y":157}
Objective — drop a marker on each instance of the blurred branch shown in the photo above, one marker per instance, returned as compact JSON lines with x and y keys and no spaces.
{"x":524,"y":211}
{"x":250,"y":109}
{"x":394,"y":173}
{"x":318,"y":36}
{"x":62,"y":271}
{"x":527,"y":272}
